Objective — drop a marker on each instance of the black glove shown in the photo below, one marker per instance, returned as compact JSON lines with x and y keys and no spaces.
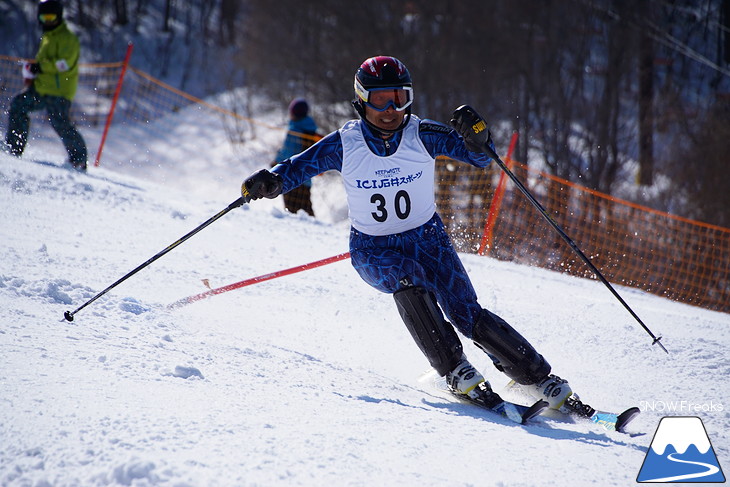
{"x":35,"y":68}
{"x":471,"y":127}
{"x":262,"y":184}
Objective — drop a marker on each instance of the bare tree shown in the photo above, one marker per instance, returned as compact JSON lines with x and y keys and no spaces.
{"x":229,"y":13}
{"x":167,"y":16}
{"x":120,"y":9}
{"x":646,"y":99}
{"x":700,"y":167}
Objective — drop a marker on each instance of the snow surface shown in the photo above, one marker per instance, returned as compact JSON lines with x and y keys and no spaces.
{"x":310,"y":379}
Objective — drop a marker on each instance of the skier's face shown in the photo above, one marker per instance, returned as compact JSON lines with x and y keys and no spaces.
{"x":388,"y":119}
{"x":49,"y":21}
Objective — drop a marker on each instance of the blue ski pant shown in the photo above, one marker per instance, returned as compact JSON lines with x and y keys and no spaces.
{"x":58,"y":109}
{"x":426,"y":256}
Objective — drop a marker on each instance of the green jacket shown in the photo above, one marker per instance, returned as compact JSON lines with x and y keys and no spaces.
{"x":56,"y":45}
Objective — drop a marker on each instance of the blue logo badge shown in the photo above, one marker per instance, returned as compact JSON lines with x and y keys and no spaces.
{"x":680,"y":452}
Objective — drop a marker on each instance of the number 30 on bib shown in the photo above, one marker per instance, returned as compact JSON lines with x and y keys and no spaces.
{"x":401,"y":205}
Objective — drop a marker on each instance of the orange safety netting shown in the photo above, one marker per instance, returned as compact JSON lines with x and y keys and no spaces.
{"x":631,"y":245}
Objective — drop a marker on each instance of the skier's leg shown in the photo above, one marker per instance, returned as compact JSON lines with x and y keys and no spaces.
{"x":510,"y":351}
{"x":518,"y":359}
{"x":433,"y":334}
{"x":389,"y":271}
{"x":19,"y":120}
{"x":383,"y":267}
{"x":437,"y":339}
{"x":444,"y":275}
{"x":58,"y":113}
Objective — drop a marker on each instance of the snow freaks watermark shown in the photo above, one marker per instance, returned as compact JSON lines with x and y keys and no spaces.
{"x":681,"y":451}
{"x":681,"y":407}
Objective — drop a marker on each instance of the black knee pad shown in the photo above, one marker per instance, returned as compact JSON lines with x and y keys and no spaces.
{"x":509,"y":350}
{"x":434,"y":335}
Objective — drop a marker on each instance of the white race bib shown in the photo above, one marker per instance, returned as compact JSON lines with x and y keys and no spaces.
{"x":391,"y":194}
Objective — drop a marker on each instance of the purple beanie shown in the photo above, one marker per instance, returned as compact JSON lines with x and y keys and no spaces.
{"x":299,"y":108}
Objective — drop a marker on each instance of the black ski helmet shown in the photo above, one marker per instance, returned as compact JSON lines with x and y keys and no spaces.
{"x":50,"y":7}
{"x":376,"y":73}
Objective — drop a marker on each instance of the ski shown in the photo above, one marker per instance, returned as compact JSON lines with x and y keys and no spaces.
{"x":608,"y":420}
{"x":489,"y":400}
{"x":514,"y":412}
{"x":575,"y":408}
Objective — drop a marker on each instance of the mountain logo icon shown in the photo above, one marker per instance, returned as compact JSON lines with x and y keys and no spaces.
{"x":680,"y":452}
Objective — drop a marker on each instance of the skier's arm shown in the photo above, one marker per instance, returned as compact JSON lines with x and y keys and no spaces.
{"x":323,"y":156}
{"x":441,"y":140}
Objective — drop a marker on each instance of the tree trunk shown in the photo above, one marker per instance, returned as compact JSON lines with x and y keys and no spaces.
{"x":120,"y":8}
{"x":168,"y":13}
{"x":646,"y":107}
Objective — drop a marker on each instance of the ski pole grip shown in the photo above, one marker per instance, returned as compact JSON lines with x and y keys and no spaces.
{"x":240,"y":201}
{"x":245,"y":195}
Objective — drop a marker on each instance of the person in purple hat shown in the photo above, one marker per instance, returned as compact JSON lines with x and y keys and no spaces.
{"x":302,"y":133}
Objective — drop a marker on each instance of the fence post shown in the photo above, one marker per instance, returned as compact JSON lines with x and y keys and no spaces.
{"x":110,"y":115}
{"x":486,"y":242}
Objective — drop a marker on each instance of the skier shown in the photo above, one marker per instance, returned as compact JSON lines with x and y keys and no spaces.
{"x":398,"y":243}
{"x":53,"y":79}
{"x":301,"y":125}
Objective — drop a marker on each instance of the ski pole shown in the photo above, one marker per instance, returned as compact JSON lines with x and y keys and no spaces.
{"x":69,"y":315}
{"x":491,"y":153}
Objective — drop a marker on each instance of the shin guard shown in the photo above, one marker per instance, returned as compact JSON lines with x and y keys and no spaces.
{"x":510,"y":351}
{"x":434,"y":335}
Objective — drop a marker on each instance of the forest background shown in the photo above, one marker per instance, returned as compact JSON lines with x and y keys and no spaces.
{"x":630,"y":98}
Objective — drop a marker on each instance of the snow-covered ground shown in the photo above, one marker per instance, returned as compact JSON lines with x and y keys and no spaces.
{"x":310,"y":379}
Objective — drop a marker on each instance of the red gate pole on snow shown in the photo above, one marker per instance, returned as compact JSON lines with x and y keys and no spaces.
{"x":110,"y":115}
{"x":256,"y":280}
{"x":486,"y":242}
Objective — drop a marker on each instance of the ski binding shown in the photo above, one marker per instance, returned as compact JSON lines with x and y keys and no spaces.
{"x":610,"y":421}
{"x":489,"y":400}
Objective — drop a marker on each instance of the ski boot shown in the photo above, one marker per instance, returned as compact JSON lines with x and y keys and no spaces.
{"x":465,"y":379}
{"x":552,"y":389}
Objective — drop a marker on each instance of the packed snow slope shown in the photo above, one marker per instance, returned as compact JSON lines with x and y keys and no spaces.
{"x":310,"y":379}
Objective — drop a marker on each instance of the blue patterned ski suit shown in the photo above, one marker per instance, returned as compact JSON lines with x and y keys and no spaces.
{"x":423,"y":254}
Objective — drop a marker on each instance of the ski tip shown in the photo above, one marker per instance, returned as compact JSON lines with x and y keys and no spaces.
{"x":626,"y":417}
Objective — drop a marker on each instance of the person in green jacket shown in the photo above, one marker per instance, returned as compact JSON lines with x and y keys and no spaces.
{"x":53,"y":79}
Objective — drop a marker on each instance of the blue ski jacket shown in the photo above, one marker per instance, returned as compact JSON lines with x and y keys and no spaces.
{"x":326,"y":154}
{"x":294,"y":143}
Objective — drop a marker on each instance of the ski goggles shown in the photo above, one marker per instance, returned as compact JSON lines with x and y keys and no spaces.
{"x":380,"y":99}
{"x":47,"y":18}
